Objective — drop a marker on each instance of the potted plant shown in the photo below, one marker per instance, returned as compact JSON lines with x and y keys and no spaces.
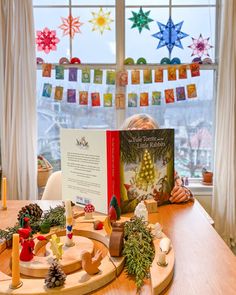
{"x":207,"y":176}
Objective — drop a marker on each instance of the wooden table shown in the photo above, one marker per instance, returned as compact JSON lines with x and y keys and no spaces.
{"x":204,"y":264}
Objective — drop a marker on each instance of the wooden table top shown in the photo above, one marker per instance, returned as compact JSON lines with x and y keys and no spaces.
{"x":204,"y":264}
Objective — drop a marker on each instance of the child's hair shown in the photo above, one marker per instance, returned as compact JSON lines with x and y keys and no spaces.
{"x":139,"y":121}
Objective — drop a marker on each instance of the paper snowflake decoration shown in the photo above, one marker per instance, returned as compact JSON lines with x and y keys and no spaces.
{"x":46,"y":40}
{"x":70,"y":25}
{"x":140,"y":20}
{"x":101,"y":21}
{"x":200,"y":46}
{"x":170,"y":35}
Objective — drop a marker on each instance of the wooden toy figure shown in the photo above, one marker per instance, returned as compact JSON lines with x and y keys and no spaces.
{"x":27,"y":244}
{"x":90,"y":264}
{"x":89,"y":209}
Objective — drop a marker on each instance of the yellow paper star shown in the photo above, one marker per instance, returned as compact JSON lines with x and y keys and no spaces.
{"x":101,"y":21}
{"x":56,"y":246}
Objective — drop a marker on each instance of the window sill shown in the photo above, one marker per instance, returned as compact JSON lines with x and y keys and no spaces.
{"x":199,"y":189}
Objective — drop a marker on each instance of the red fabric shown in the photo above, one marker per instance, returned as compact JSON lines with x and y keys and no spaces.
{"x":27,"y":250}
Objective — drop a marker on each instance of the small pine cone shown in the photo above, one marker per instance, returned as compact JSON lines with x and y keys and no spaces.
{"x":34,"y":211}
{"x":55,"y":277}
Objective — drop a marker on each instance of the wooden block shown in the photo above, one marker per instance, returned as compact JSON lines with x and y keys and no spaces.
{"x":151,"y":205}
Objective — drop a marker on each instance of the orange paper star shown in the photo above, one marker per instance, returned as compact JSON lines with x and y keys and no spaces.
{"x":101,"y":21}
{"x":70,"y":25}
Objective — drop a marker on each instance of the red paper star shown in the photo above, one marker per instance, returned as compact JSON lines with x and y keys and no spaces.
{"x":70,"y":25}
{"x":200,"y":46}
{"x":46,"y":40}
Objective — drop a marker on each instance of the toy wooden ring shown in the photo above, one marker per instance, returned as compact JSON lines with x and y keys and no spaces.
{"x":207,"y":60}
{"x":64,"y":60}
{"x":197,"y":60}
{"x":75,"y":60}
{"x":39,"y":60}
{"x":165,"y":61}
{"x":175,"y":61}
{"x":129,"y":61}
{"x":141,"y":61}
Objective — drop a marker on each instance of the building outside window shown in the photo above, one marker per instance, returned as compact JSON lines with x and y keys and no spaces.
{"x":105,"y":33}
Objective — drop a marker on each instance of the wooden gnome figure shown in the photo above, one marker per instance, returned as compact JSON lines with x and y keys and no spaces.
{"x":114,"y":209}
{"x":27,"y":244}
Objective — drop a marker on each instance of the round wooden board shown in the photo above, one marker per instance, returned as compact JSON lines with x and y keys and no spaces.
{"x":80,"y":282}
{"x":70,"y":262}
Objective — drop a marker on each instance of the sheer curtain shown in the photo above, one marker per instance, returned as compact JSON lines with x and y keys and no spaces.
{"x":18,"y":98}
{"x":224,"y":201}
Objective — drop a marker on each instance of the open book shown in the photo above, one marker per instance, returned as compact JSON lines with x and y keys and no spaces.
{"x":133,"y":165}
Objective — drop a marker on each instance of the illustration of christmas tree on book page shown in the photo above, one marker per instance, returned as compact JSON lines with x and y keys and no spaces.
{"x":146,"y":166}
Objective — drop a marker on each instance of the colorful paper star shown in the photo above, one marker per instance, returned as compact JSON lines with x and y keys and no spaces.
{"x":140,"y":20}
{"x":101,"y":21}
{"x":170,"y":35}
{"x":200,"y":46}
{"x":46,"y":40}
{"x":70,"y":25}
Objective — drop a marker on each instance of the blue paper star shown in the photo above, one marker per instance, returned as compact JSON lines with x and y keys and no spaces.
{"x":170,"y":35}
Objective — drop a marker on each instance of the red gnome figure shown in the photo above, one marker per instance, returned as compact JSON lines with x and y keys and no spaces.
{"x":27,"y":244}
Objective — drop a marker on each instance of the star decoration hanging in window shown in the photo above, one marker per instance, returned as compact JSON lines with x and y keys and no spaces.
{"x":140,"y":20}
{"x":101,"y":21}
{"x":70,"y":25}
{"x":170,"y":35}
{"x":46,"y":40}
{"x":200,"y":46}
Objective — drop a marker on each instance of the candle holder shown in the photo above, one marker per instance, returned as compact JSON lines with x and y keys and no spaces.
{"x":17,"y":286}
{"x":4,"y":208}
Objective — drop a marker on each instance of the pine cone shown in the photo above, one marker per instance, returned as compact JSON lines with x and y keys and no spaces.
{"x":55,"y":277}
{"x":33,"y":210}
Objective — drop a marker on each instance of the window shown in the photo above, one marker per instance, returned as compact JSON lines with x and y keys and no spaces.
{"x":103,"y":35}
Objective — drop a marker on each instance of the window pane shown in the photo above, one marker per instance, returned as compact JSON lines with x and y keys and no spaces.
{"x":51,"y":18}
{"x":143,"y":44}
{"x":204,"y":24}
{"x":50,"y":2}
{"x":94,"y":46}
{"x":54,"y":114}
{"x":93,"y":2}
{"x":193,"y":2}
{"x":146,"y":2}
{"x":192,"y":120}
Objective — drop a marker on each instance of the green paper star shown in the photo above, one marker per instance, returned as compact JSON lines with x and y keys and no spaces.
{"x":140,"y":20}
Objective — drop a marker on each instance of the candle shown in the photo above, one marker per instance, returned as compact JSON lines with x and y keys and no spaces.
{"x":4,"y":193}
{"x":16,"y":283}
{"x":69,"y":224}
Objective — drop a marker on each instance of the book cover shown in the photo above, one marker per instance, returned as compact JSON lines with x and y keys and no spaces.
{"x":146,"y":166}
{"x":133,"y":165}
{"x":90,"y":166}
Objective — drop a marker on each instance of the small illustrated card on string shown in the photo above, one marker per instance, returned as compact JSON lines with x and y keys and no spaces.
{"x":156,"y":98}
{"x":169,"y":95}
{"x":71,"y":95}
{"x":83,"y":98}
{"x":111,"y":78}
{"x":195,"y":70}
{"x":171,"y":73}
{"x":107,"y":99}
{"x":143,"y":99}
{"x":58,"y":93}
{"x":159,"y":75}
{"x":46,"y":70}
{"x":47,"y":90}
{"x":98,"y":75}
{"x":132,"y":100}
{"x":85,"y":76}
{"x":120,"y":101}
{"x":73,"y":74}
{"x":122,"y":78}
{"x":59,"y":72}
{"x":95,"y":98}
{"x":147,"y":76}
{"x":182,"y":72}
{"x":135,"y":77}
{"x":180,"y":93}
{"x":192,"y":91}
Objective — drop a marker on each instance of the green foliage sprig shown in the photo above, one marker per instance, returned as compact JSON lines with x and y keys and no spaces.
{"x":138,"y":250}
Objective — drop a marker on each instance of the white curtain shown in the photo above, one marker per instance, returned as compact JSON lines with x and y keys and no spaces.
{"x":224,"y":193}
{"x":18,"y":98}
